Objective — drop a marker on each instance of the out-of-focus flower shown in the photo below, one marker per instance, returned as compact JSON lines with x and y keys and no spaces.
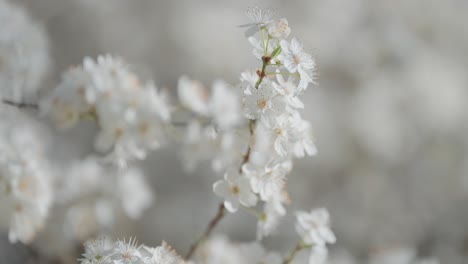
{"x":24,"y":54}
{"x":25,"y":180}
{"x":314,"y":227}
{"x":131,"y":116}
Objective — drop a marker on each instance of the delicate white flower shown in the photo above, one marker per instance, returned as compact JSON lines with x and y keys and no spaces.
{"x":163,"y":254}
{"x":296,"y":60}
{"x":278,"y":132}
{"x":127,"y":252}
{"x":259,"y":17}
{"x":248,"y":80}
{"x":279,"y":29}
{"x":314,"y":227}
{"x":273,"y":212}
{"x":97,"y":251}
{"x":267,"y":181}
{"x":24,"y":54}
{"x":193,"y":95}
{"x":263,"y":101}
{"x":235,"y":189}
{"x":302,"y":137}
{"x":288,"y":89}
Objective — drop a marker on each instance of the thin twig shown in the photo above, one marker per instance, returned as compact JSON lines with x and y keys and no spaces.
{"x":21,"y":104}
{"x":300,"y":246}
{"x":213,"y":223}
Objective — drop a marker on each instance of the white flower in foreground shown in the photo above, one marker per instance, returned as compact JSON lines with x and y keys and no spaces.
{"x":163,"y":254}
{"x":296,"y":60}
{"x":127,"y":252}
{"x":100,"y":251}
{"x":97,"y":251}
{"x":277,"y":131}
{"x":248,"y":80}
{"x":264,"y":101}
{"x":302,"y":137}
{"x":314,"y":227}
{"x":25,"y":181}
{"x":273,"y":212}
{"x":259,"y":17}
{"x":288,"y":89}
{"x":24,"y":54}
{"x":279,"y":29}
{"x":267,"y":181}
{"x":235,"y":189}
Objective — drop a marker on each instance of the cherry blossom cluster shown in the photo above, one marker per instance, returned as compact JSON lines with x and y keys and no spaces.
{"x":131,"y":116}
{"x":26,"y":193}
{"x":270,"y":102}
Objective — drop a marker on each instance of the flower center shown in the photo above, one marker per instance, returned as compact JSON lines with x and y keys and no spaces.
{"x":262,"y":103}
{"x":235,"y":189}
{"x":279,"y":131}
{"x":297,"y":59}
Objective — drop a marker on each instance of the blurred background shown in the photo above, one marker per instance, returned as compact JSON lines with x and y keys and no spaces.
{"x":389,"y":113}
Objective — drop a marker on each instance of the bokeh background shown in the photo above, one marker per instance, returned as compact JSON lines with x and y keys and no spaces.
{"x":389,"y":113}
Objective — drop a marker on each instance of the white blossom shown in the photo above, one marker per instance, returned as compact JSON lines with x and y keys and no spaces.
{"x":273,"y":212}
{"x":259,"y":17}
{"x":288,"y":89}
{"x":297,"y":61}
{"x":235,"y":189}
{"x":314,"y":227}
{"x":263,"y":101}
{"x":279,"y":29}
{"x":267,"y":181}
{"x":25,"y":179}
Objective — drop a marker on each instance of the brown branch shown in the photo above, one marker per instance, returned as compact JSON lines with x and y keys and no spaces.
{"x":213,"y":223}
{"x":300,"y":246}
{"x":21,"y":104}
